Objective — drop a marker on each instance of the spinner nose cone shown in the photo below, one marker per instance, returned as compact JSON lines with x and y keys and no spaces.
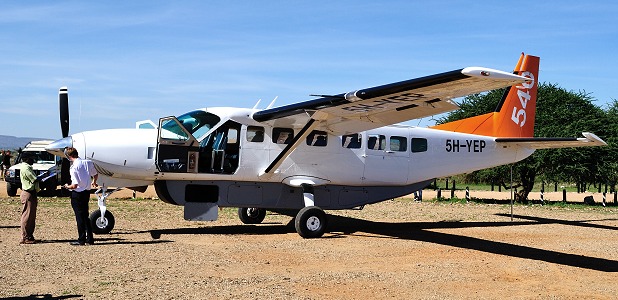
{"x":57,"y":147}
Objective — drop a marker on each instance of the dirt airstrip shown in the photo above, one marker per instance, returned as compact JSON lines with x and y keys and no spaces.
{"x":398,"y":249}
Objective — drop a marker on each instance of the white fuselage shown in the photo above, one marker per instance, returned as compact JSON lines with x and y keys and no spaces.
{"x":127,"y":157}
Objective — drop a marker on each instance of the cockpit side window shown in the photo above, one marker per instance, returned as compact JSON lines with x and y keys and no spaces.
{"x":170,"y":130}
{"x":198,"y":122}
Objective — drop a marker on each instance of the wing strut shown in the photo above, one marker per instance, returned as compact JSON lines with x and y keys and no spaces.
{"x":304,"y":132}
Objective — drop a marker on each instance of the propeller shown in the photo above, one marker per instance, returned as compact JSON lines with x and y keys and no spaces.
{"x":63,"y":100}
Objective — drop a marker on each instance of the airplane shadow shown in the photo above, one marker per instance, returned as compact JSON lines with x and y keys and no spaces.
{"x":340,"y":227}
{"x":581,"y":223}
{"x":9,"y":227}
{"x":228,"y":230}
{"x":105,"y":241}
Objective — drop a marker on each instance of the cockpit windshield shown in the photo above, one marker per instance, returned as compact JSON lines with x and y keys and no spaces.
{"x":197,"y":122}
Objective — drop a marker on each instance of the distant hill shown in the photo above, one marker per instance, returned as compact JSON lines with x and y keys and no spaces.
{"x":13,"y":143}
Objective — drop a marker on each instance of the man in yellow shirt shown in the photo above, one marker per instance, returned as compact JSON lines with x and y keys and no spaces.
{"x":29,"y":189}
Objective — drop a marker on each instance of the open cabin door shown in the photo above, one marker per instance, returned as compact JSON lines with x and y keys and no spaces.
{"x":177,"y":149}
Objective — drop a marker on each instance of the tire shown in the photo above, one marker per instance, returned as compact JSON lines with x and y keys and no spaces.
{"x":250,"y":215}
{"x":310,"y":222}
{"x":11,"y":189}
{"x":104,"y":226}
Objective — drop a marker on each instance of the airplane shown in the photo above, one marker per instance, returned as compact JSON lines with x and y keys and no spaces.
{"x":333,"y":152}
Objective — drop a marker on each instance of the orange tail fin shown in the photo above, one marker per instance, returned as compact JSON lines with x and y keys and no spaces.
{"x":515,"y":114}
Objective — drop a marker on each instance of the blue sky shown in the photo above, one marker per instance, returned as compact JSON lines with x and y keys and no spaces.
{"x":125,"y":61}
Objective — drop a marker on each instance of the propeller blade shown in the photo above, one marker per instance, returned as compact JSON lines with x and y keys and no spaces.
{"x":63,"y":99}
{"x":65,"y":175}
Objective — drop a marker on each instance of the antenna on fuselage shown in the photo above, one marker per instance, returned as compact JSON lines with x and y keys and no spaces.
{"x":257,"y":103}
{"x":272,"y":103}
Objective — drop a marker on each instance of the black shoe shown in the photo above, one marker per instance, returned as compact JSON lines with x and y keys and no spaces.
{"x":77,"y":243}
{"x":90,"y":243}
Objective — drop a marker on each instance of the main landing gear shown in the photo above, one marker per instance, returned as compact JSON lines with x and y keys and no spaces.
{"x":102,"y":220}
{"x":310,"y":222}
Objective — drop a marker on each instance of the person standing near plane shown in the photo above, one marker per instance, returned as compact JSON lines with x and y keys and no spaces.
{"x":6,"y":161}
{"x":28,"y":196}
{"x":2,"y":165}
{"x":81,"y":171}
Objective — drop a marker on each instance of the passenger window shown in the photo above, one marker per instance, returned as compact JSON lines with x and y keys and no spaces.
{"x":317,"y":138}
{"x":351,"y":141}
{"x":376,"y":142}
{"x":255,"y":134}
{"x":419,"y":145}
{"x":399,"y":143}
{"x":282,"y":135}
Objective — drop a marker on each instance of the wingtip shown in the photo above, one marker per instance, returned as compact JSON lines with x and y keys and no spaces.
{"x":593,"y":138}
{"x":493,"y":74}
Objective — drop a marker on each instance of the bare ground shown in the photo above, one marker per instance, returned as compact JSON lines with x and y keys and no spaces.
{"x":395,"y":249}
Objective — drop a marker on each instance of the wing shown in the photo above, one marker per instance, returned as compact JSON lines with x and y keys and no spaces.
{"x":389,"y":104}
{"x":383,"y":105}
{"x":589,"y":140}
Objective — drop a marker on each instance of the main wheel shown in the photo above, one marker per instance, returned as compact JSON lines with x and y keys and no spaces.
{"x":102,"y":225}
{"x":251,"y":215}
{"x":11,"y":189}
{"x":310,"y":222}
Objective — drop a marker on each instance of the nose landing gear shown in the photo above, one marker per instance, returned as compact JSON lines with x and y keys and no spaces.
{"x":102,"y":220}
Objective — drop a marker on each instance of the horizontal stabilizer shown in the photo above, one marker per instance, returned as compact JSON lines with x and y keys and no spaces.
{"x":589,"y":140}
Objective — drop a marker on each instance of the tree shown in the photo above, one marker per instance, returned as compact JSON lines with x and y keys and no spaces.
{"x":559,"y":113}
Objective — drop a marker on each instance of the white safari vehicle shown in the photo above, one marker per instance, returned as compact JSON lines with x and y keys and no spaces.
{"x":43,"y":162}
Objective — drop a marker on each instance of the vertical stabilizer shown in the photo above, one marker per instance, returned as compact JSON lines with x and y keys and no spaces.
{"x":515,"y":114}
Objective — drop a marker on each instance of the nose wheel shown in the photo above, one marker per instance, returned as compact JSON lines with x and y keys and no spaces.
{"x":102,"y":220}
{"x":102,"y":224}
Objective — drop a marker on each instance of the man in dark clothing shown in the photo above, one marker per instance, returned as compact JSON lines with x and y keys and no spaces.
{"x":81,"y":171}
